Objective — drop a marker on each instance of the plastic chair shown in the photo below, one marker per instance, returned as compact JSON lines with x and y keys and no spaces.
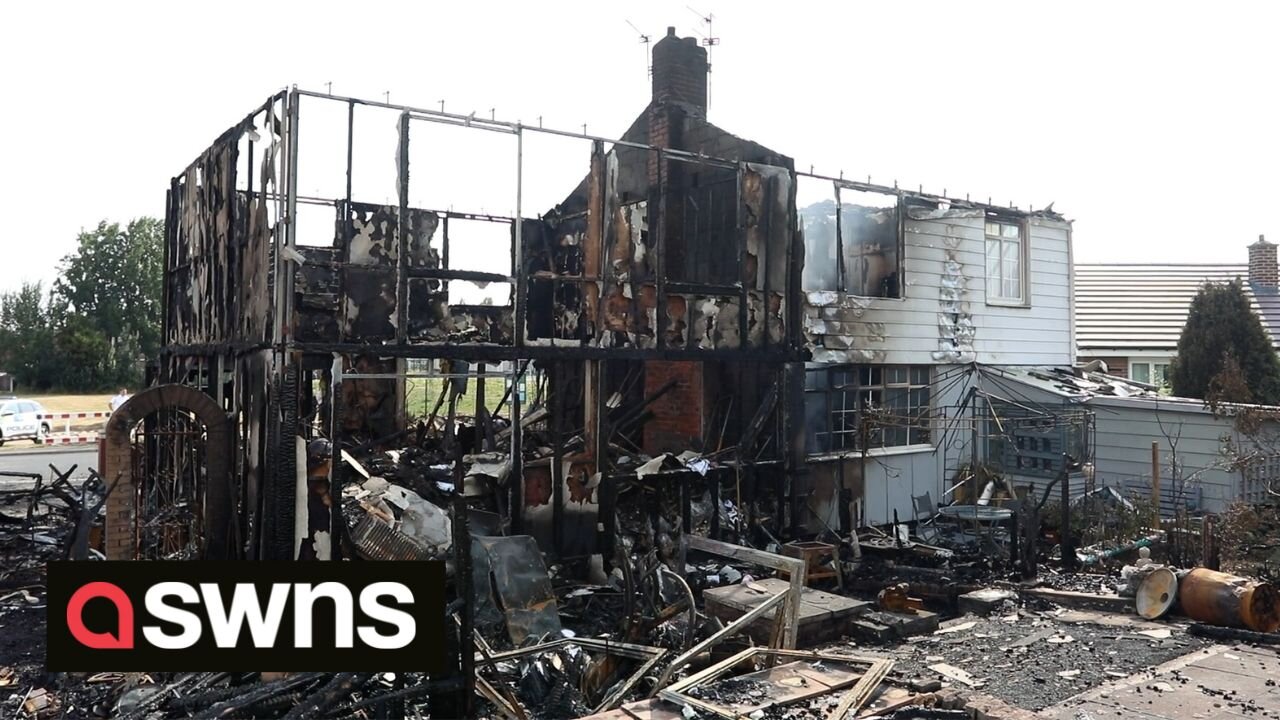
{"x":925,"y":512}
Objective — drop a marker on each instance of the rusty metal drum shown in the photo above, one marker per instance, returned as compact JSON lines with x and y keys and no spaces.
{"x":1229,"y":600}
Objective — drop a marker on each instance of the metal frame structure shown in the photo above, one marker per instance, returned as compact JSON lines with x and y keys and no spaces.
{"x":252,"y":314}
{"x":238,"y":284}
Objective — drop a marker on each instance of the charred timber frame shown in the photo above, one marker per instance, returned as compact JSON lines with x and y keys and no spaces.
{"x":251,"y":359}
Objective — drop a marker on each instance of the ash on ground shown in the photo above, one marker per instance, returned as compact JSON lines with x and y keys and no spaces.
{"x":1033,"y":660}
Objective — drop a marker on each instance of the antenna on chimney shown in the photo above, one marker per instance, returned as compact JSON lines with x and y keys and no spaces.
{"x":644,"y":40}
{"x":709,"y":41}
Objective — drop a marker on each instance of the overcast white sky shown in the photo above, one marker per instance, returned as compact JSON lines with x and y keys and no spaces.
{"x":1152,"y":124}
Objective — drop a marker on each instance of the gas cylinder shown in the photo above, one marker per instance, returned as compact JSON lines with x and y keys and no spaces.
{"x":1229,"y":600}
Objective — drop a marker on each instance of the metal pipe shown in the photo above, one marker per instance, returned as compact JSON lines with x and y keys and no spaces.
{"x":337,"y":468}
{"x":517,"y":244}
{"x":291,"y":230}
{"x":1155,"y":481}
{"x":402,"y":236}
{"x":413,"y":375}
{"x":515,"y":479}
{"x":740,"y":235}
{"x":514,"y":127}
{"x":490,"y":351}
{"x":1094,"y":558}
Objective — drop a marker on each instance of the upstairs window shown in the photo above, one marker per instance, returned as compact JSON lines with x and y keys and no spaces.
{"x":1006,"y":262}
{"x":853,"y":241}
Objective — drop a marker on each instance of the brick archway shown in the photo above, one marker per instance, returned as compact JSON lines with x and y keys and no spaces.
{"x":118,"y":462}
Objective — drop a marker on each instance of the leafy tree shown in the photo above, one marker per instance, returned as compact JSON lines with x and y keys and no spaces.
{"x":1224,"y":350}
{"x":113,"y":282}
{"x":1229,"y":385}
{"x":83,"y":360}
{"x":26,"y":336}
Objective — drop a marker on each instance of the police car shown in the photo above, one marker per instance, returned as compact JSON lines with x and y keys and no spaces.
{"x":22,"y":419}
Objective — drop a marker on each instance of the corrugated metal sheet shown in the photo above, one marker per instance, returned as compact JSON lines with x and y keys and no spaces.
{"x":1144,"y":307}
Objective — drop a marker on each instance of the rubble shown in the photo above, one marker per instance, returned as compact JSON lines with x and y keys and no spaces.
{"x":648,"y":522}
{"x":646,"y":635}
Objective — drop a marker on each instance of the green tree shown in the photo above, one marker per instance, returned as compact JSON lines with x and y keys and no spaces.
{"x":1222,"y":342}
{"x":113,"y":283}
{"x":26,"y":348}
{"x":82,"y":357}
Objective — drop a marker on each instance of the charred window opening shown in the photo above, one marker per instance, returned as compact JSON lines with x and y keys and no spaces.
{"x":818,"y":213}
{"x":624,"y":391}
{"x":554,"y":262}
{"x":478,"y":244}
{"x":1006,"y":260}
{"x":848,"y":407}
{"x":870,"y":238}
{"x":708,"y":248}
{"x":853,"y":243}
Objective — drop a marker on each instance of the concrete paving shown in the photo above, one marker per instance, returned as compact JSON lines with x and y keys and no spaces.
{"x":1216,"y":682}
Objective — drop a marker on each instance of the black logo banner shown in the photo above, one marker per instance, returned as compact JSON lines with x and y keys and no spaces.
{"x":246,"y":616}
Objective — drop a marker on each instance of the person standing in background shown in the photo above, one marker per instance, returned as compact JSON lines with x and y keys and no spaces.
{"x":119,"y":399}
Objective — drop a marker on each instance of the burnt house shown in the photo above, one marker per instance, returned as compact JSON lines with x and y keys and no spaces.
{"x":671,"y":331}
{"x":655,"y":303}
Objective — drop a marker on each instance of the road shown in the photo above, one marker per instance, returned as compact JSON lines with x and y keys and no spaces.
{"x":38,"y":461}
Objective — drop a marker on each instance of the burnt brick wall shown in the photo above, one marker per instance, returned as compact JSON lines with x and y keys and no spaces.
{"x":677,"y":422}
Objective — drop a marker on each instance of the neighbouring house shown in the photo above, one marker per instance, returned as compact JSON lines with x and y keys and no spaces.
{"x":1130,"y":316}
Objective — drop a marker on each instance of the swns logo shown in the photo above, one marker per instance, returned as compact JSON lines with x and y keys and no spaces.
{"x":233,"y":616}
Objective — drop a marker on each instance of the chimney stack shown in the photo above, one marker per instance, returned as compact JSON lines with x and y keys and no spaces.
{"x":1263,"y":271}
{"x":680,"y":73}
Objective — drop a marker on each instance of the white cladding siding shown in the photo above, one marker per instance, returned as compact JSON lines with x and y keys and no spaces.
{"x":1124,"y":429}
{"x":893,"y":477}
{"x":911,"y":330}
{"x":1122,"y":451}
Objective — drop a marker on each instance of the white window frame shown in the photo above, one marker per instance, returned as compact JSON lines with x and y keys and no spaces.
{"x":996,"y":286}
{"x":1150,"y":363}
{"x":856,"y":396}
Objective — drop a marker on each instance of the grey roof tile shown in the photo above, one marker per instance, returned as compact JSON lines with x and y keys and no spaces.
{"x":1144,"y":306}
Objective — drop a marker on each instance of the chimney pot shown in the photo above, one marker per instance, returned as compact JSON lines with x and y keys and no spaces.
{"x":680,"y":72}
{"x":1263,"y":269}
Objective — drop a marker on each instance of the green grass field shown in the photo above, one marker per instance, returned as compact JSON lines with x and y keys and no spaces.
{"x":70,"y":403}
{"x":421,"y":394}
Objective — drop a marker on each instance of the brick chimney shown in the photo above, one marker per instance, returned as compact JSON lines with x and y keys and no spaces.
{"x":679,"y":93}
{"x":680,"y":73}
{"x":1263,"y":271}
